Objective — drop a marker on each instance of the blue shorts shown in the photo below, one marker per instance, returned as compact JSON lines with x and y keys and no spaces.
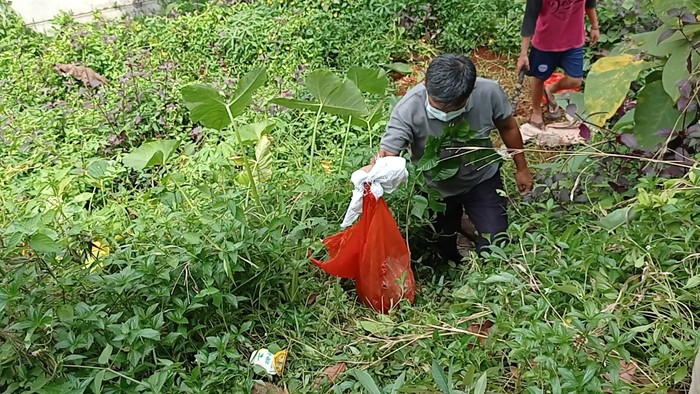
{"x":543,"y":63}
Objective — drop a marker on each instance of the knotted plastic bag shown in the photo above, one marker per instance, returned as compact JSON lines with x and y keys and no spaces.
{"x":373,"y":252}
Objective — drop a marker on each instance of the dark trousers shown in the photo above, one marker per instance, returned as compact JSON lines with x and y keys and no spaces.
{"x":487,"y":211}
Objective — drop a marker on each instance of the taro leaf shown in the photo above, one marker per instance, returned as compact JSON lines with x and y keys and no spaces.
{"x":367,"y":382}
{"x":97,"y":168}
{"x":369,"y":80}
{"x":441,"y":380}
{"x":42,"y":243}
{"x":655,"y":111}
{"x":253,"y":131}
{"x":607,"y":85}
{"x":649,"y":42}
{"x":206,"y":106}
{"x":618,"y":217}
{"x":676,"y":69}
{"x":401,"y":68}
{"x":335,"y":96}
{"x":249,"y":83}
{"x":150,"y":154}
{"x":446,"y":169}
{"x":671,"y":9}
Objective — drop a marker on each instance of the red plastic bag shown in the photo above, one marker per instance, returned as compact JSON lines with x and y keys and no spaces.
{"x":373,"y":252}
{"x":553,"y":79}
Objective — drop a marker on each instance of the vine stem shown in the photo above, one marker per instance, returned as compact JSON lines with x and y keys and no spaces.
{"x":109,"y":370}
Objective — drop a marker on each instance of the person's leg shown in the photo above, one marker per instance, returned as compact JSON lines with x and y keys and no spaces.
{"x":571,"y":62}
{"x":488,"y":210}
{"x":542,"y":66}
{"x":447,"y":224}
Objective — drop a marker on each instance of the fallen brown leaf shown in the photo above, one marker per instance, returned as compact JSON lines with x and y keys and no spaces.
{"x":331,"y":373}
{"x":84,"y":74}
{"x":267,"y":388}
{"x":483,"y":330}
{"x":628,"y":373}
{"x":312,"y":299}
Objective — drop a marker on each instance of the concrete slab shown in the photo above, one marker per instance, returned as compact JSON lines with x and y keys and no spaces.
{"x":39,"y":13}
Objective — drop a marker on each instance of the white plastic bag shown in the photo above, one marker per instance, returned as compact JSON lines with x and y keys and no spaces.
{"x":386,"y":175}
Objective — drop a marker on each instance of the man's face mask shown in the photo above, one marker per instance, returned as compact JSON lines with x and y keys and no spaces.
{"x":441,"y":115}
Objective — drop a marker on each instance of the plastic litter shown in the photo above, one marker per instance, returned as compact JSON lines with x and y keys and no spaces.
{"x":273,"y":364}
{"x":386,"y":175}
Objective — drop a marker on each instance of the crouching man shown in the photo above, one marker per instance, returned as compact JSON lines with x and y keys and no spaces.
{"x":452,"y":93}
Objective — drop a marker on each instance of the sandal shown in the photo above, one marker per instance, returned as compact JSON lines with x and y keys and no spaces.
{"x":553,"y":111}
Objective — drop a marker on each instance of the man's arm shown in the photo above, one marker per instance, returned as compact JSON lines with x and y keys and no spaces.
{"x":532,"y":10}
{"x":510,"y":134}
{"x":593,"y":19}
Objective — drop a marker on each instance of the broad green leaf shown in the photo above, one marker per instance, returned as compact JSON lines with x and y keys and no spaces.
{"x":150,"y":154}
{"x":680,"y":374}
{"x":440,"y":378}
{"x":334,"y":96}
{"x":206,"y":106}
{"x":253,"y":131}
{"x":648,"y":42}
{"x":401,"y":68}
{"x":655,"y":111}
{"x":661,"y":7}
{"x":97,"y":168}
{"x":692,"y":282}
{"x":503,"y":277}
{"x":369,"y":80}
{"x":446,"y":169}
{"x":465,"y":292}
{"x":480,"y":386}
{"x":97,"y":381}
{"x":607,"y":85}
{"x":374,"y":327}
{"x":105,"y":355}
{"x":618,"y":217}
{"x":157,"y":380}
{"x":42,"y":243}
{"x":243,"y":96}
{"x":418,"y":205}
{"x":366,"y":381}
{"x":148,"y":333}
{"x":675,"y":70}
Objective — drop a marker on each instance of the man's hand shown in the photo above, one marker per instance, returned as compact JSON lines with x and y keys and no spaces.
{"x":523,"y":64}
{"x":595,"y":35}
{"x":523,"y":179}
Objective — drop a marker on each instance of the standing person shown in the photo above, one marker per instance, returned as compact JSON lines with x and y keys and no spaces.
{"x":452,"y":93}
{"x":554,"y":33}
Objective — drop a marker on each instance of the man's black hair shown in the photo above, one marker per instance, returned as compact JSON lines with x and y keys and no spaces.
{"x":450,"y":79}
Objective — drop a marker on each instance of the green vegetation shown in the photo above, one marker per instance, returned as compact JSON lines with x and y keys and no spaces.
{"x":154,"y":231}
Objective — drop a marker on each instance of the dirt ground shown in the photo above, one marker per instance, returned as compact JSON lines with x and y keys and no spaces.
{"x":488,"y":65}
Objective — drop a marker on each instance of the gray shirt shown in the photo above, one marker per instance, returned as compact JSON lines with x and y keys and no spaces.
{"x":410,"y":125}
